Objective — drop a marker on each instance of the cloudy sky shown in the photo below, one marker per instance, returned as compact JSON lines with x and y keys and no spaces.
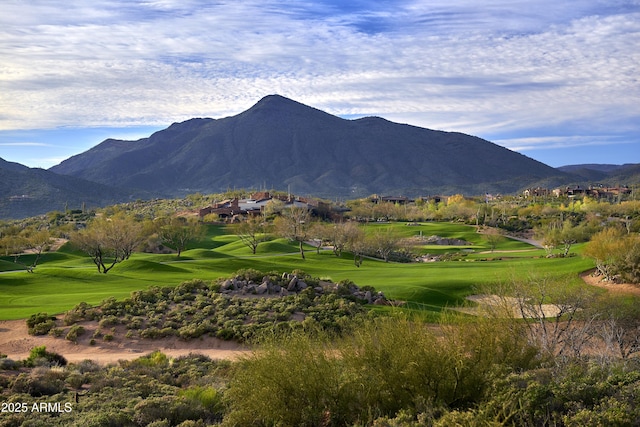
{"x":555,"y":80}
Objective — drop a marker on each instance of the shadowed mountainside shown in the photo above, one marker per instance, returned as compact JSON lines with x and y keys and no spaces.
{"x":26,"y":192}
{"x":279,"y":143}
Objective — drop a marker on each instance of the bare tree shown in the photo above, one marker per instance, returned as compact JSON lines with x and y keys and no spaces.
{"x":251,"y":232}
{"x":357,"y":244}
{"x":559,"y":322}
{"x":29,"y":241}
{"x":620,"y":326}
{"x":493,"y":236}
{"x":294,"y":225}
{"x":384,"y":243}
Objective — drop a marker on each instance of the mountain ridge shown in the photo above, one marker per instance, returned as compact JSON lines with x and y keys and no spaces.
{"x":33,"y":191}
{"x":283,"y":143}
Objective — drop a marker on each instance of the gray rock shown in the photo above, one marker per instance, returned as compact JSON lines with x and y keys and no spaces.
{"x":368,"y":297}
{"x":262,"y":289}
{"x":292,"y":284}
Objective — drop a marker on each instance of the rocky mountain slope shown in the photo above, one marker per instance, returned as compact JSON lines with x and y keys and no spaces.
{"x":282,"y":144}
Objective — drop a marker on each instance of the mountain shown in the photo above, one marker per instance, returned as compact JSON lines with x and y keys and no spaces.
{"x":605,"y":173}
{"x":280,"y":143}
{"x":27,"y":192}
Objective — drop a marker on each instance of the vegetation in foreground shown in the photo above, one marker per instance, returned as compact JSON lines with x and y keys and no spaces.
{"x":577,"y":365}
{"x":382,"y":371}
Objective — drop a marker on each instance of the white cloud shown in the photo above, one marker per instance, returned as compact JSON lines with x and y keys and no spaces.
{"x":499,"y":67}
{"x":553,"y":142}
{"x":24,"y":144}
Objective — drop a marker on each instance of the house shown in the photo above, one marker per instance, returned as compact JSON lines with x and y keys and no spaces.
{"x":254,"y":205}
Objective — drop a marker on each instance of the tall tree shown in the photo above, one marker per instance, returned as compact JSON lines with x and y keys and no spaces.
{"x":251,"y":232}
{"x":109,"y":241}
{"x":179,"y":232}
{"x":29,"y":241}
{"x":357,"y":244}
{"x":384,"y":243}
{"x":294,"y":225}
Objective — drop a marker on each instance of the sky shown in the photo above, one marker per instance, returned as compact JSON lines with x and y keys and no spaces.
{"x":555,"y":80}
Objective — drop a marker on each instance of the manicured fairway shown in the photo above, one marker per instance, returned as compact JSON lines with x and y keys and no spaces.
{"x":66,"y":278}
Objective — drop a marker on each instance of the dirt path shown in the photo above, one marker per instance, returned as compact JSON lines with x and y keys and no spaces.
{"x":16,"y":343}
{"x":590,"y":279}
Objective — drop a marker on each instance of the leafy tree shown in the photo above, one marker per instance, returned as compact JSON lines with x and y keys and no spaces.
{"x":31,"y":239}
{"x":251,"y":232}
{"x":608,"y":248}
{"x":179,"y":232}
{"x":294,"y":225}
{"x":493,"y":236}
{"x":109,"y":241}
{"x":357,"y":243}
{"x":338,"y":235}
{"x":384,"y":243}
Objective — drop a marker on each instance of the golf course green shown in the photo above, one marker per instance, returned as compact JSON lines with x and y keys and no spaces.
{"x":67,"y":277}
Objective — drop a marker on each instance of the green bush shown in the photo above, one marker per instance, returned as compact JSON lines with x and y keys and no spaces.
{"x":39,"y":355}
{"x":40,"y":323}
{"x":74,"y":332}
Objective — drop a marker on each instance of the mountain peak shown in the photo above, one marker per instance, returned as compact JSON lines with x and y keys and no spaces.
{"x":278,"y":102}
{"x":278,"y":106}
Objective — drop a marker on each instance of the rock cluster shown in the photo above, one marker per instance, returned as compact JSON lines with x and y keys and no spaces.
{"x":290,"y":284}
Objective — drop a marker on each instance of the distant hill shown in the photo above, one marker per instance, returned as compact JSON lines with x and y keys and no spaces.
{"x":27,"y":192}
{"x":279,"y":143}
{"x":605,"y":173}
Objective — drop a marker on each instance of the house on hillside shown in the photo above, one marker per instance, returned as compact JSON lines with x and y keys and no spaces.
{"x":228,"y":210}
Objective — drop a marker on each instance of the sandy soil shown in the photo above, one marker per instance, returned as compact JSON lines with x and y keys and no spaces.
{"x":550,"y":310}
{"x":591,"y":279}
{"x":16,"y":343}
{"x":511,"y":303}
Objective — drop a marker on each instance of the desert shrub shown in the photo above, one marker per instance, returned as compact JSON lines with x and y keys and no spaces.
{"x":7,"y":364}
{"x":75,"y":379}
{"x":382,"y":367}
{"x":616,"y":254}
{"x":110,"y":320}
{"x":40,"y":323}
{"x":135,"y":322}
{"x":39,"y":356}
{"x":108,"y":337}
{"x":56,"y":332}
{"x":82,"y":311}
{"x":74,"y":332}
{"x":41,"y":381}
{"x":172,"y":408}
{"x":112,"y":307}
{"x":303,"y":389}
{"x":191,"y":286}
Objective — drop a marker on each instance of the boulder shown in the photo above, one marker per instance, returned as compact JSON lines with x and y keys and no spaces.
{"x":227,"y":285}
{"x":368,"y":297}
{"x":292,"y":284}
{"x":263,"y":288}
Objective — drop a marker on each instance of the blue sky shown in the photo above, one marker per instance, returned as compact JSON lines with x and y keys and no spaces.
{"x":557,"y":81}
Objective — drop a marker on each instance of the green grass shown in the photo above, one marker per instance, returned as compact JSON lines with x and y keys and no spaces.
{"x":65,"y":278}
